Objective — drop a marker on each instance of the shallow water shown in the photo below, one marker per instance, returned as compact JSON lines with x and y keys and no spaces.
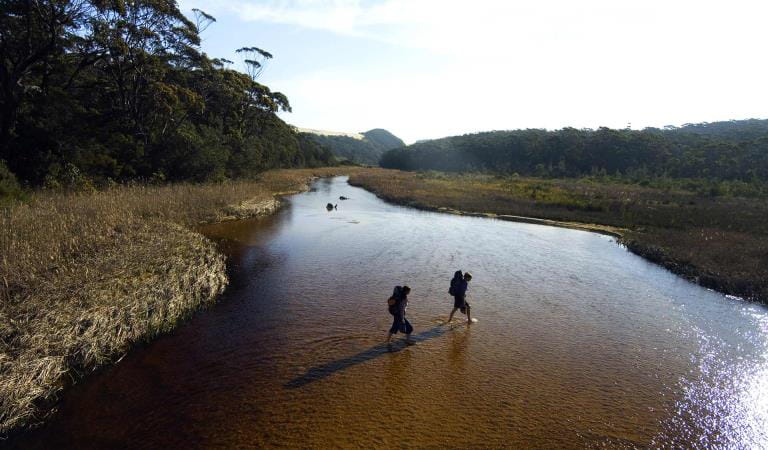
{"x":578,"y":342}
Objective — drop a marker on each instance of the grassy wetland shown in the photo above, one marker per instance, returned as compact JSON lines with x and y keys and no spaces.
{"x":719,"y":241}
{"x":86,"y":275}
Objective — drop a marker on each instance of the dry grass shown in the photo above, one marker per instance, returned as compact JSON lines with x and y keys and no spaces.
{"x":85,"y":275}
{"x":720,"y":242}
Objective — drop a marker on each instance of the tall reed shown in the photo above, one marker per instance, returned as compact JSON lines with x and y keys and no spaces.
{"x":85,"y":275}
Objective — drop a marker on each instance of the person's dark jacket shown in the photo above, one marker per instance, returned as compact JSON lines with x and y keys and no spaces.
{"x":402,"y":305}
{"x":460,"y":290}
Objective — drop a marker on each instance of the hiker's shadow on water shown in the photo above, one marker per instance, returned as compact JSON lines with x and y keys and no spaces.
{"x":317,"y":373}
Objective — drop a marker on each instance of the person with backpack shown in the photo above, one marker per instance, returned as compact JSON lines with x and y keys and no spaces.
{"x":458,"y":290}
{"x":398,"y":304}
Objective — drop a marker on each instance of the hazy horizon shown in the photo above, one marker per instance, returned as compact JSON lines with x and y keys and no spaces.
{"x":353,"y":132}
{"x":429,"y":69}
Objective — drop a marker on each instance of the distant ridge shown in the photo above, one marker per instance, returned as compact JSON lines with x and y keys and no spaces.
{"x":362,"y":148}
{"x":358,"y":136}
{"x":726,"y":150}
{"x":384,"y":138}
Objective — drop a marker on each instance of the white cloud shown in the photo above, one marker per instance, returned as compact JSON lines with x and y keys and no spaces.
{"x":543,"y":63}
{"x":504,"y":26}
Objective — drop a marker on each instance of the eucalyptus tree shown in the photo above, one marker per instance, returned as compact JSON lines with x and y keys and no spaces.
{"x":121,"y":89}
{"x":33,"y":33}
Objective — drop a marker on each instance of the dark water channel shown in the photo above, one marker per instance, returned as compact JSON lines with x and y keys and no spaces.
{"x":578,"y":343}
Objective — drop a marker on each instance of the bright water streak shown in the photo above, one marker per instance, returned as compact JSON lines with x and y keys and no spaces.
{"x":578,"y":342}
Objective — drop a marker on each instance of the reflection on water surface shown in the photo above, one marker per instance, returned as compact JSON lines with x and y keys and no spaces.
{"x":578,"y":343}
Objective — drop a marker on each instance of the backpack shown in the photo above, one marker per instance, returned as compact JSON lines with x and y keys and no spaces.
{"x":392,"y":302}
{"x":457,"y":276}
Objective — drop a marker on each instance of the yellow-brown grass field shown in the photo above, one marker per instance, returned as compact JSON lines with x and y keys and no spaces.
{"x":83,"y":276}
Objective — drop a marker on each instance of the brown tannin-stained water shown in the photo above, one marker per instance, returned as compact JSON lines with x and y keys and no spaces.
{"x":578,"y":343}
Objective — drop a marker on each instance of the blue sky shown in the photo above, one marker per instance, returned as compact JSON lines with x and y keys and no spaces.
{"x":428,"y":68}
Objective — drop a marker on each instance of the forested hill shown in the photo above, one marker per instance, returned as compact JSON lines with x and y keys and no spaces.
{"x":383,"y":138}
{"x":93,"y":91}
{"x":724,"y":150}
{"x":363,"y":148}
{"x":733,"y":130}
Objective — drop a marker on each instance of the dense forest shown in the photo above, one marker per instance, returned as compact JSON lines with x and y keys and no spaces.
{"x":98,"y":91}
{"x":368,"y":150}
{"x":735,"y":150}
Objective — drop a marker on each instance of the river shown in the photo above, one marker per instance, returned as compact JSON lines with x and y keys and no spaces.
{"x":578,"y":343}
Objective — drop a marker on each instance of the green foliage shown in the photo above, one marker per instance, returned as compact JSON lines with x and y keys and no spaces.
{"x":361,"y":151}
{"x":67,"y":177}
{"x":731,"y":152}
{"x":9,"y":187}
{"x":383,"y":139}
{"x":120,"y":90}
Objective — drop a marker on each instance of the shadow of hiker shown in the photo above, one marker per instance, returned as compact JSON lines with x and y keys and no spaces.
{"x":325,"y":370}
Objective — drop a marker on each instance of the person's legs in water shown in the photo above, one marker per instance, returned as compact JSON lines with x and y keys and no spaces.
{"x":452,"y":313}
{"x":469,"y":317}
{"x":458,"y":303}
{"x":393,"y":329}
{"x":407,"y":328}
{"x":467,"y":279}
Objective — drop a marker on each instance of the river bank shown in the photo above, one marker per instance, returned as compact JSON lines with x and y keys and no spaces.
{"x":579,"y":344}
{"x":720,"y":243}
{"x":84,"y":276}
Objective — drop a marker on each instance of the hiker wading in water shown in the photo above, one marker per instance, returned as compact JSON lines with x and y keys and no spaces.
{"x":398,"y":303}
{"x":458,"y":289}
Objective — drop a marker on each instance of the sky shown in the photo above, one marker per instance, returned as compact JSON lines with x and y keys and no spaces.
{"x":425,"y":69}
